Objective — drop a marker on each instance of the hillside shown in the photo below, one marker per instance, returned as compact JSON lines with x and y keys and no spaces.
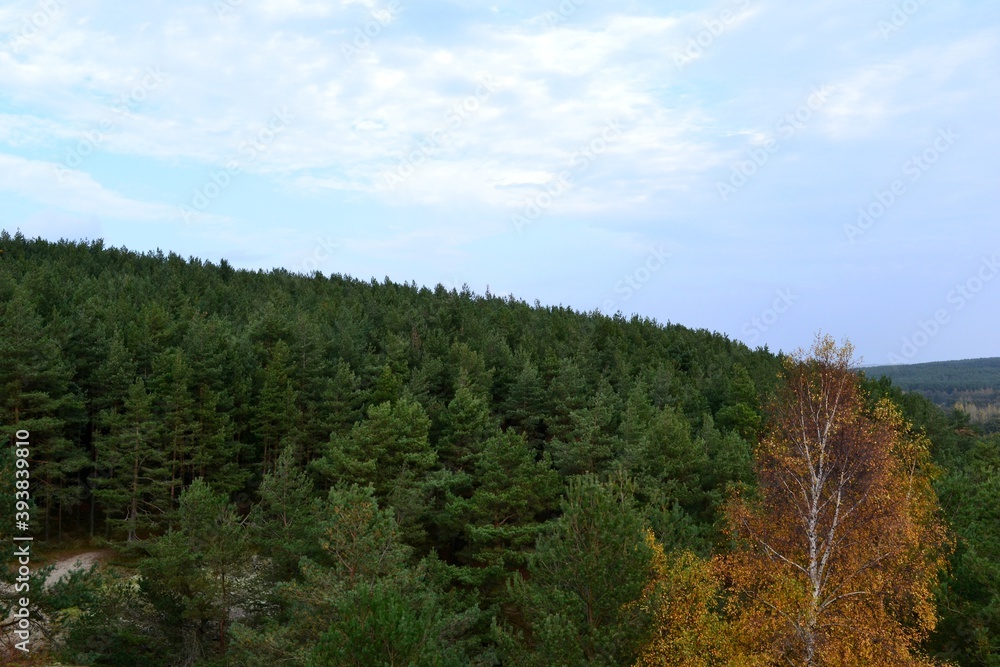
{"x":971,"y":385}
{"x":296,"y":464}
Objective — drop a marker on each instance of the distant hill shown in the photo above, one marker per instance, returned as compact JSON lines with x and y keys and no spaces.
{"x":972,"y":385}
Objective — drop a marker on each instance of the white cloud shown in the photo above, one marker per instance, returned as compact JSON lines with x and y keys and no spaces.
{"x":554,"y":87}
{"x":554,"y":91}
{"x":74,"y":191}
{"x":875,"y":97}
{"x":278,"y":9}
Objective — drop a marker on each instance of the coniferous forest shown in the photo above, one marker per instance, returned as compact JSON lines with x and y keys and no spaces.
{"x":311,"y":470}
{"x":971,"y":385}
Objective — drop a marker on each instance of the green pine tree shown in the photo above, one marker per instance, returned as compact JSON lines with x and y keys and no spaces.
{"x":170,"y":389}
{"x":194,"y":573}
{"x":285,"y":520}
{"x":276,"y":415}
{"x":513,"y":491}
{"x":132,"y":480}
{"x":36,"y":395}
{"x":587,"y":569}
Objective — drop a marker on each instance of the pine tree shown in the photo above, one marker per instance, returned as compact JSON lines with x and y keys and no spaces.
{"x":390,"y":451}
{"x":659,"y":451}
{"x":969,"y":631}
{"x":193,"y":573}
{"x":114,"y":377}
{"x":132,"y":480}
{"x":386,"y":386}
{"x":467,"y":426}
{"x":584,"y":580}
{"x":170,"y":389}
{"x":276,"y":414}
{"x":215,"y":456}
{"x":35,"y":395}
{"x":387,"y":449}
{"x":360,"y":551}
{"x":341,"y":401}
{"x":386,"y":624}
{"x":589,"y":439}
{"x":501,"y":519}
{"x":520,"y":409}
{"x":285,"y":520}
{"x":567,"y":394}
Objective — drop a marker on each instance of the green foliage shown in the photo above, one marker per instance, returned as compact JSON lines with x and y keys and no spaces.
{"x":387,"y":449}
{"x":356,"y":546}
{"x":132,"y":476}
{"x":500,"y":520}
{"x":391,"y":452}
{"x":586,"y":441}
{"x":384,"y":625}
{"x":285,"y":522}
{"x":104,"y":619}
{"x":36,"y":395}
{"x":461,"y":417}
{"x":193,"y":573}
{"x":970,"y":630}
{"x":360,"y":601}
{"x":588,"y":569}
{"x":276,"y":414}
{"x":467,"y":425}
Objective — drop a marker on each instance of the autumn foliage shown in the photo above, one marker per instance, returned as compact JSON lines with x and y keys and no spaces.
{"x":841,"y":546}
{"x":682,"y":598}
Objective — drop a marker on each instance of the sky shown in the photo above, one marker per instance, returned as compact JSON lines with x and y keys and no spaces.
{"x":765,"y":169}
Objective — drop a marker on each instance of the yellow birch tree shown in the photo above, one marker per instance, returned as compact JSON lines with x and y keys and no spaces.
{"x":842,"y":545}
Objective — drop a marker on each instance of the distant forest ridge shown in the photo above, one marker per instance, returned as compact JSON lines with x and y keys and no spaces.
{"x":971,"y":385}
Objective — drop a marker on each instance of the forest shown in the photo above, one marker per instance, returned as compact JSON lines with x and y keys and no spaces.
{"x":321,"y":470}
{"x":971,"y":385}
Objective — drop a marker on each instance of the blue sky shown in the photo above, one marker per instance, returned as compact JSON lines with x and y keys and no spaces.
{"x":763,"y":169}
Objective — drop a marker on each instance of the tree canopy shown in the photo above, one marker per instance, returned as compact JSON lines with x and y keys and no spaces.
{"x":309,"y":469}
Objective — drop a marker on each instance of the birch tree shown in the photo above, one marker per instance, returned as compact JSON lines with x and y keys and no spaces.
{"x":841,"y":548}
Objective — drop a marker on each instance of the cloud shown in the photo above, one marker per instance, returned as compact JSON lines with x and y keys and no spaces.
{"x":355,"y":120}
{"x":873,"y":98}
{"x":553,"y":88}
{"x":282,"y":9}
{"x":75,"y":191}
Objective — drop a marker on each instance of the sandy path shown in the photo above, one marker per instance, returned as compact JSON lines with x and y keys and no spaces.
{"x":80,"y":561}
